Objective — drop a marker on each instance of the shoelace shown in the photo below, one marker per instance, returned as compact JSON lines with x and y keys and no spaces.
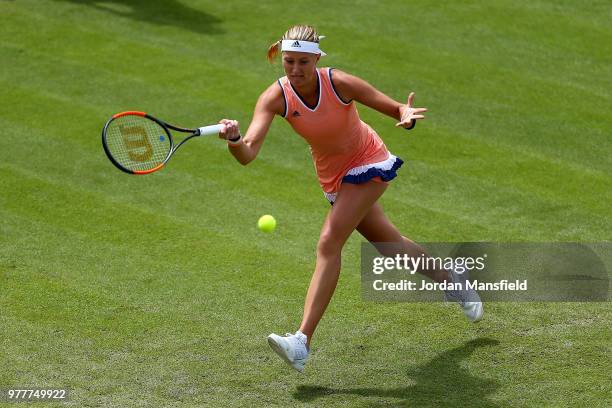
{"x":455,"y":295}
{"x":295,"y":337}
{"x":298,"y":351}
{"x":458,"y":295}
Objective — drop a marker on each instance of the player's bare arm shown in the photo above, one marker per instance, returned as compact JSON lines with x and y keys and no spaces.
{"x":352,"y":87}
{"x":245,"y":149}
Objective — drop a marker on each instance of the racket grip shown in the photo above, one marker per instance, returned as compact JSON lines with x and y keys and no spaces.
{"x":210,"y":130}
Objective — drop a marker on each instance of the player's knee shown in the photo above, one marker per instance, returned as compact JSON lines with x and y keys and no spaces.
{"x":329,"y":243}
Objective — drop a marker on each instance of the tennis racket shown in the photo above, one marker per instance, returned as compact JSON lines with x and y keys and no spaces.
{"x":137,"y":143}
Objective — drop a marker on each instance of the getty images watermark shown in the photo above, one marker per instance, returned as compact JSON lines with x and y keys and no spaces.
{"x":459,"y":265}
{"x":558,"y":272}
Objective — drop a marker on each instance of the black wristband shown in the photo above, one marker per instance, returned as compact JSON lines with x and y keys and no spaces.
{"x":411,"y":126}
{"x":236,"y":139}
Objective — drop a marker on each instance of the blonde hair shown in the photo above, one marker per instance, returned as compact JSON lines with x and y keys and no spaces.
{"x":300,"y":32}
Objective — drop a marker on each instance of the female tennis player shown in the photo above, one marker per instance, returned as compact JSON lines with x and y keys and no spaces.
{"x":353,"y":165}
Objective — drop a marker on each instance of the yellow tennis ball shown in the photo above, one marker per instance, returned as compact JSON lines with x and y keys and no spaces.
{"x":266,"y":223}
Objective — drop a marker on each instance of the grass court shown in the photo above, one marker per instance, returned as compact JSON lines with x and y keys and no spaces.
{"x":160,"y":291}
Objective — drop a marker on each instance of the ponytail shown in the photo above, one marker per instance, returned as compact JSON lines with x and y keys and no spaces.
{"x":273,"y":51}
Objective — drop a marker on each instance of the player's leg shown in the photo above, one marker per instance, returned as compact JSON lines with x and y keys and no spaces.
{"x":377,"y":228}
{"x":352,"y":204}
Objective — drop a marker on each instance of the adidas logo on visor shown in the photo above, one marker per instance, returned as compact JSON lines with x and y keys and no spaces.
{"x":296,"y":44}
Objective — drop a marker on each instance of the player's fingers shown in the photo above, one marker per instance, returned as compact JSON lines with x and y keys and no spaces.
{"x":410,"y":99}
{"x":419,"y":110}
{"x":234,"y":128}
{"x":229,"y":130}
{"x":225,"y":130}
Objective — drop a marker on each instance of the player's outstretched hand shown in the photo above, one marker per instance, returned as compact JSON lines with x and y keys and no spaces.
{"x":231,"y":129}
{"x":410,"y":113}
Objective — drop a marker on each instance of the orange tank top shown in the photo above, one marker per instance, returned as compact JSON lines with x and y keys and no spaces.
{"x":338,"y":139}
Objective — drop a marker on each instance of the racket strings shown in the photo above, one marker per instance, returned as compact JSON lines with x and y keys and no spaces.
{"x":137,"y":143}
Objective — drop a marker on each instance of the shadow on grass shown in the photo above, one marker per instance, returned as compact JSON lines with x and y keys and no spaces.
{"x":442,"y":382}
{"x":161,"y":12}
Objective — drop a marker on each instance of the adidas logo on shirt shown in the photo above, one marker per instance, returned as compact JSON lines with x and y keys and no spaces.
{"x":296,"y":44}
{"x":295,"y":114}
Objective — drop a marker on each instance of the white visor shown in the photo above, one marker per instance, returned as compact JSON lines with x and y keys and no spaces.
{"x":302,"y":46}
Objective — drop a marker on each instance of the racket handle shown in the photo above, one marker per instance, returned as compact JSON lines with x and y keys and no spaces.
{"x":210,"y":130}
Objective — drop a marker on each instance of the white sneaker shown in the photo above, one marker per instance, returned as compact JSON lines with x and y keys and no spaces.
{"x":292,"y":348}
{"x":468,"y":299}
{"x":472,"y":310}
